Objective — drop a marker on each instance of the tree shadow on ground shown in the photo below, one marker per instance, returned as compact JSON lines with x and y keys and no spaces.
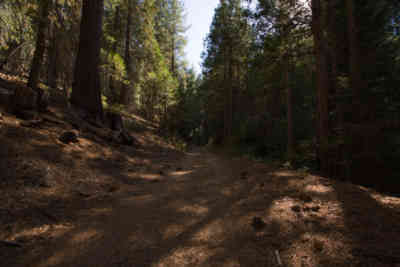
{"x":208,"y":223}
{"x":371,"y":220}
{"x":197,"y":212}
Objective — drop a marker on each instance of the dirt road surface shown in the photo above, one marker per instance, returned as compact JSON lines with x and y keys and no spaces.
{"x":210,"y":210}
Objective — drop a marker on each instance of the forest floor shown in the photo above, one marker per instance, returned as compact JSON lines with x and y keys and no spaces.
{"x":96,"y":204}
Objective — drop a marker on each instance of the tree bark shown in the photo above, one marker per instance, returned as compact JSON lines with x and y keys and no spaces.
{"x":354,"y":60}
{"x":322,"y":82}
{"x":289,"y":98}
{"x":173,"y":68}
{"x":230,"y":92}
{"x":86,"y":88}
{"x":112,"y":84}
{"x":52,"y":72}
{"x":126,"y":90}
{"x":36,"y":64}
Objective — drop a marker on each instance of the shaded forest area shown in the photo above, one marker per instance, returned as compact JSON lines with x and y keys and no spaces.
{"x":315,"y":82}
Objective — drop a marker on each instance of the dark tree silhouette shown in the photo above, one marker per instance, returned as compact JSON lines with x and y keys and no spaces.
{"x":86,"y":88}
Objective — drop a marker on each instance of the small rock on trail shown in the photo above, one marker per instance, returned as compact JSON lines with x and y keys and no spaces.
{"x":258,"y":224}
{"x":69,"y":137}
{"x":315,"y":209}
{"x":296,"y":208}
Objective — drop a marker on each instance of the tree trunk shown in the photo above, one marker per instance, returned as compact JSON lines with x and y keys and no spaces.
{"x":36,"y":64}
{"x":354,"y":61}
{"x":86,"y":88}
{"x":334,"y":55}
{"x":52,"y":60}
{"x":322,"y":82}
{"x":112,"y":84}
{"x":289,"y":99}
{"x":173,"y":68}
{"x":230,"y":92}
{"x":126,"y":90}
{"x":225,"y":87}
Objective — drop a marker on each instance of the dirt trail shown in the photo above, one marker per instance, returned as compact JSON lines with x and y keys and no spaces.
{"x":180,"y":220}
{"x":201,"y":215}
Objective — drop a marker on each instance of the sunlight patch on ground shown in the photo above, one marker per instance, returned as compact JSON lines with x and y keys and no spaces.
{"x":299,"y":254}
{"x":194,"y":209}
{"x":284,"y":173}
{"x":310,"y":248}
{"x":149,"y":176}
{"x":213,"y":233}
{"x":318,"y":188}
{"x":386,"y":200}
{"x":188,"y":256}
{"x":180,"y":173}
{"x":289,"y":212}
{"x":300,"y":181}
{"x":281,"y":210}
{"x":331,"y":213}
{"x":85,"y":236}
{"x":55,"y":231}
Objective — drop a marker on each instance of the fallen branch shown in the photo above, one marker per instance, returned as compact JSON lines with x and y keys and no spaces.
{"x":278,"y":258}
